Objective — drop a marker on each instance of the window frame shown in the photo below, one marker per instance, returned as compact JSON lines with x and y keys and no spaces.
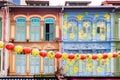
{"x":53,"y":32}
{"x":36,"y":18}
{"x":16,"y":31}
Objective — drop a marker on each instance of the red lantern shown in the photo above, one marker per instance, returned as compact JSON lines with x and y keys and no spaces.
{"x":10,"y":46}
{"x":27,"y":50}
{"x":94,"y":56}
{"x":71,"y":56}
{"x":83,"y":56}
{"x":105,"y":56}
{"x":43,"y":53}
{"x":58,"y":55}
{"x":115,"y":55}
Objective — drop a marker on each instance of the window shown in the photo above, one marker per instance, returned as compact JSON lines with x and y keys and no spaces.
{"x":20,"y":63}
{"x":34,"y":64}
{"x":87,"y":30}
{"x":72,"y":28}
{"x":49,"y":29}
{"x":35,"y":29}
{"x":20,"y":29}
{"x":119,"y":28}
{"x":49,"y":65}
{"x":101,"y":29}
{"x":98,"y":30}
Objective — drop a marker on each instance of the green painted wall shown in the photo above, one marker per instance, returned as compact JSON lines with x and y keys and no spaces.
{"x":0,"y":29}
{"x":116,"y":42}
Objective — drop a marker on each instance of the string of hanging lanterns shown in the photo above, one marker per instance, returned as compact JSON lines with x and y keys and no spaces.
{"x":50,"y":54}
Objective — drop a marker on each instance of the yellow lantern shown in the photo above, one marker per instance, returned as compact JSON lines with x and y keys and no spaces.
{"x":89,"y":57}
{"x":35,"y":52}
{"x":64,"y":56}
{"x":110,"y":55}
{"x":100,"y":56}
{"x":118,"y":54}
{"x":1,"y":44}
{"x":50,"y":54}
{"x":18,"y":49}
{"x":77,"y":56}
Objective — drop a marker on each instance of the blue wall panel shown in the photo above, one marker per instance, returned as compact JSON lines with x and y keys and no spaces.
{"x":88,"y":32}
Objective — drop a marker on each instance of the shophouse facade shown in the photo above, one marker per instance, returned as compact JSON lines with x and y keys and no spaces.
{"x":87,"y":30}
{"x":35,"y":27}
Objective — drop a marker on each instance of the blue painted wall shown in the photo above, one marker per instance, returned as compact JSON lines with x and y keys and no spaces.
{"x":87,"y":31}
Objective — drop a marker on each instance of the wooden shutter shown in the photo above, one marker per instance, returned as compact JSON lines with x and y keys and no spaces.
{"x":35,"y":29}
{"x":21,"y":29}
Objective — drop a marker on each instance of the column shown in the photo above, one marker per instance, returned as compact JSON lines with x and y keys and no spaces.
{"x":28,"y":30}
{"x":55,"y":64}
{"x":42,"y":65}
{"x":28,"y":64}
{"x":12,"y":35}
{"x":56,"y":30}
{"x":14,"y":62}
{"x":10,"y":63}
{"x":42,"y":30}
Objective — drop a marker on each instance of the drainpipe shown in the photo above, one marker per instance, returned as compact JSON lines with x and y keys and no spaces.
{"x":4,"y":34}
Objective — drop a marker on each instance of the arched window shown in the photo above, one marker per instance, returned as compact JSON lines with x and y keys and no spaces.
{"x":20,"y":29}
{"x":86,"y":30}
{"x":34,"y":29}
{"x":72,"y":28}
{"x":49,"y":29}
{"x":101,"y":29}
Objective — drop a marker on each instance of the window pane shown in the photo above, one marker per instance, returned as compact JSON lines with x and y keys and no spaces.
{"x":20,"y":29}
{"x":98,"y":29}
{"x":101,"y":30}
{"x":49,"y":20}
{"x":49,"y":29}
{"x":35,"y":29}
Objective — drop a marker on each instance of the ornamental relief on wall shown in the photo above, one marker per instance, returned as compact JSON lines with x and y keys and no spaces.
{"x":85,"y":27}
